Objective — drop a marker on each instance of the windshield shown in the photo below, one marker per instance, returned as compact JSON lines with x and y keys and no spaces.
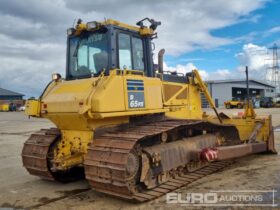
{"x":88,"y":55}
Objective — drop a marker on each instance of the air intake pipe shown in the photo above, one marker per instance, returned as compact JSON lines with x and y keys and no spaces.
{"x":160,"y":60}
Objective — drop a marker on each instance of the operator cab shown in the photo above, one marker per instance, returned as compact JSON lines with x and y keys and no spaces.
{"x":100,"y":47}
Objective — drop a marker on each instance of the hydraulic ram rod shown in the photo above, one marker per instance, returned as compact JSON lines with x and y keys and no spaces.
{"x":204,"y":89}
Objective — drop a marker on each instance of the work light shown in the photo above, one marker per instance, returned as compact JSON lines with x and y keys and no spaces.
{"x":56,"y":77}
{"x":92,"y":25}
{"x":70,"y":31}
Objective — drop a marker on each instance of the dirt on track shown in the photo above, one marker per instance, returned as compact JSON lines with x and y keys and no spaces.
{"x":22,"y":191}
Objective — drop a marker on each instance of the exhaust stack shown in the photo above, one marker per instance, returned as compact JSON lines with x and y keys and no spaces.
{"x":160,"y":60}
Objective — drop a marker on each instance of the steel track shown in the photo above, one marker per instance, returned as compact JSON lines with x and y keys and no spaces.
{"x":35,"y":153}
{"x":106,"y":162}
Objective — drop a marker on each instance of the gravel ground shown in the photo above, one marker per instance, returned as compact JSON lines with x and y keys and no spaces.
{"x":23,"y":191}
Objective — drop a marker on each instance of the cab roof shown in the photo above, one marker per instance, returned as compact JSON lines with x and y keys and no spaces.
{"x":120,"y":24}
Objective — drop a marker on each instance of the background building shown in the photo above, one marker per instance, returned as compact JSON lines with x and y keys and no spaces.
{"x":11,"y":97}
{"x":224,"y":90}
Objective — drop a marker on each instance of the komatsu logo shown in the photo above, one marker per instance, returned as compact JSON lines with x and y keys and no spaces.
{"x":135,"y":93}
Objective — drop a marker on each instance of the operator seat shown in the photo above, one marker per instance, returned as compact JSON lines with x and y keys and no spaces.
{"x":83,"y":70}
{"x":100,"y":60}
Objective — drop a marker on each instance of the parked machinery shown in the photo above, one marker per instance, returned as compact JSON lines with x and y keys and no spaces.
{"x":266,"y":102}
{"x":134,"y":132}
{"x":4,"y":107}
{"x":234,"y":103}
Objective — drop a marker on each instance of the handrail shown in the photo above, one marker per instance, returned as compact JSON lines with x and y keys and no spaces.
{"x":204,"y":89}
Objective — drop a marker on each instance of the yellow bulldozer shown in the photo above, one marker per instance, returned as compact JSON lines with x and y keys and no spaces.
{"x":132,"y":129}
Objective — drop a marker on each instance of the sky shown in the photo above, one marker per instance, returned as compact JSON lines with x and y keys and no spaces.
{"x":218,"y":37}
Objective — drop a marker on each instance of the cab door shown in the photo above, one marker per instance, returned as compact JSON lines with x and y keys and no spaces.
{"x":141,"y":92}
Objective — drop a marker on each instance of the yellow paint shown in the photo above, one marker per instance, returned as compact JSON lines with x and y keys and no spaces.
{"x":71,"y":148}
{"x":249,"y":110}
{"x":246,"y":126}
{"x":32,"y":108}
{"x":145,"y":31}
{"x":4,"y":107}
{"x":79,"y":28}
{"x":182,"y":100}
{"x":202,"y":87}
{"x":233,"y":103}
{"x":79,"y":107}
{"x":120,"y":24}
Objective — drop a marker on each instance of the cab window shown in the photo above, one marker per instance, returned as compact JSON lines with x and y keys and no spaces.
{"x":125,"y":58}
{"x":88,"y":55}
{"x":131,"y":54}
{"x":137,"y":52}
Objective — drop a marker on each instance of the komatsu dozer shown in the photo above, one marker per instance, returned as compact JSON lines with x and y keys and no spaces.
{"x":132,"y":129}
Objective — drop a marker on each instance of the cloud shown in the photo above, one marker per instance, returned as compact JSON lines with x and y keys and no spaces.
{"x":185,"y":25}
{"x":221,"y":74}
{"x":274,"y":30}
{"x":258,"y":59}
{"x":183,"y":69}
{"x":206,"y":75}
{"x":26,"y":78}
{"x":253,"y":56}
{"x":33,"y":33}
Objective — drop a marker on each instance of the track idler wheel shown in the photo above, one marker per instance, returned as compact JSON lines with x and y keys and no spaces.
{"x":132,"y":166}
